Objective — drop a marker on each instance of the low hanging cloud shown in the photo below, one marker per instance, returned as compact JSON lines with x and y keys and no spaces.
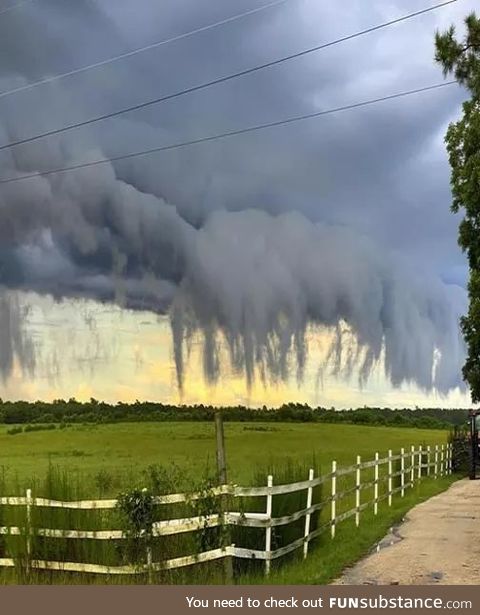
{"x":262,"y":280}
{"x":15,"y":345}
{"x":252,"y":243}
{"x":259,"y":279}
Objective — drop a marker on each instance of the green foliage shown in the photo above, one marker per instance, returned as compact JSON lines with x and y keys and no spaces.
{"x":166,"y":479}
{"x":29,"y":428}
{"x":137,"y":514}
{"x":14,"y":431}
{"x":462,"y":59}
{"x":460,"y":441}
{"x":209,"y":504}
{"x":136,"y":508}
{"x":41,"y":415}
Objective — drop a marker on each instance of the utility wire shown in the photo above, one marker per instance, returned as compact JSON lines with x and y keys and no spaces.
{"x":133,"y":52}
{"x":208,"y":84}
{"x":223,"y":135}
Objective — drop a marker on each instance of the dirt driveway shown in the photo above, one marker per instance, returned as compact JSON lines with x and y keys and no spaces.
{"x":439,"y":543}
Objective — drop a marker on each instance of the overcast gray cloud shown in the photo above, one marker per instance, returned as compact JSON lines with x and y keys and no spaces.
{"x":327,"y":217}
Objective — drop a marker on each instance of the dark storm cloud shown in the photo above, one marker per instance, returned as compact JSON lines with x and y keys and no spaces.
{"x":366,"y":191}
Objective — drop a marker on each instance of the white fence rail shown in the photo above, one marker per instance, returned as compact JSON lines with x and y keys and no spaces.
{"x":414,"y":465}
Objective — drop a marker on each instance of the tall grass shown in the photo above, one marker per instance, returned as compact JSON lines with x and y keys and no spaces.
{"x":285,"y":472}
{"x":59,"y":484}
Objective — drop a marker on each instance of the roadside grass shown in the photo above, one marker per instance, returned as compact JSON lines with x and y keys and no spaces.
{"x":329,"y":557}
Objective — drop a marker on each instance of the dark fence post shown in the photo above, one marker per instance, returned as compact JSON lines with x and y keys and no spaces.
{"x":221,"y":457}
{"x":222,"y":480}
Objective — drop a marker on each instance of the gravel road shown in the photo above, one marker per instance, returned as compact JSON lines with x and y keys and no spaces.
{"x":439,"y":543}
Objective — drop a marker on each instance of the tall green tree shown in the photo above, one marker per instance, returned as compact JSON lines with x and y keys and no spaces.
{"x":461,"y":58}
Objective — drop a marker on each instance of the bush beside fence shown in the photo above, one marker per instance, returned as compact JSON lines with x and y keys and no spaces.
{"x":351,"y":491}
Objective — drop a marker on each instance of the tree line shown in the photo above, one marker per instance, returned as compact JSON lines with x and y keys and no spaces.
{"x":94,"y":411}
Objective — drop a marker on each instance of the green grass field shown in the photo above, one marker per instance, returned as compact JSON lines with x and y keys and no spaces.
{"x":124,"y":450}
{"x":92,"y":461}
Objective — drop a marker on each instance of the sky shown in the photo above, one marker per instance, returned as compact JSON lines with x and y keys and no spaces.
{"x":312,"y":262}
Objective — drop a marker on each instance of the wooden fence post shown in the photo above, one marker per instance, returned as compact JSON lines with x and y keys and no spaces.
{"x":442,"y":452}
{"x":308,"y":515}
{"x":29,"y":503}
{"x":222,"y":480}
{"x":334,"y":498}
{"x":412,"y":465}
{"x":390,"y":477}
{"x":149,"y":564}
{"x":375,"y":486}
{"x":357,"y":491}
{"x":268,"y":531}
{"x":402,"y":471}
{"x":450,"y":458}
{"x":221,"y":456}
{"x":420,"y":461}
{"x":436,"y":460}
{"x":428,"y":460}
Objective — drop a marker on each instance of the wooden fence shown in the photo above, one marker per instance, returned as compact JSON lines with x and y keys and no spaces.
{"x":405,"y":469}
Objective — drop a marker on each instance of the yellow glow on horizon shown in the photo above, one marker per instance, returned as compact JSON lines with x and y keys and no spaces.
{"x":86,"y":350}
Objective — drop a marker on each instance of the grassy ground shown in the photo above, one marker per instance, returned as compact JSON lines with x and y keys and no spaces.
{"x":328,"y":558}
{"x":123,"y":450}
{"x":326,"y":561}
{"x":90,"y":461}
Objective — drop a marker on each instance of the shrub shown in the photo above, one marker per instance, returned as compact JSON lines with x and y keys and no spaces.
{"x":136,"y":510}
{"x":14,"y":430}
{"x":49,"y":427}
{"x":460,"y":441}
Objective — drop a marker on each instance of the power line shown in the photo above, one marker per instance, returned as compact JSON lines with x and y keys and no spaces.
{"x":133,"y":52}
{"x":231,"y":133}
{"x":219,"y":80}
